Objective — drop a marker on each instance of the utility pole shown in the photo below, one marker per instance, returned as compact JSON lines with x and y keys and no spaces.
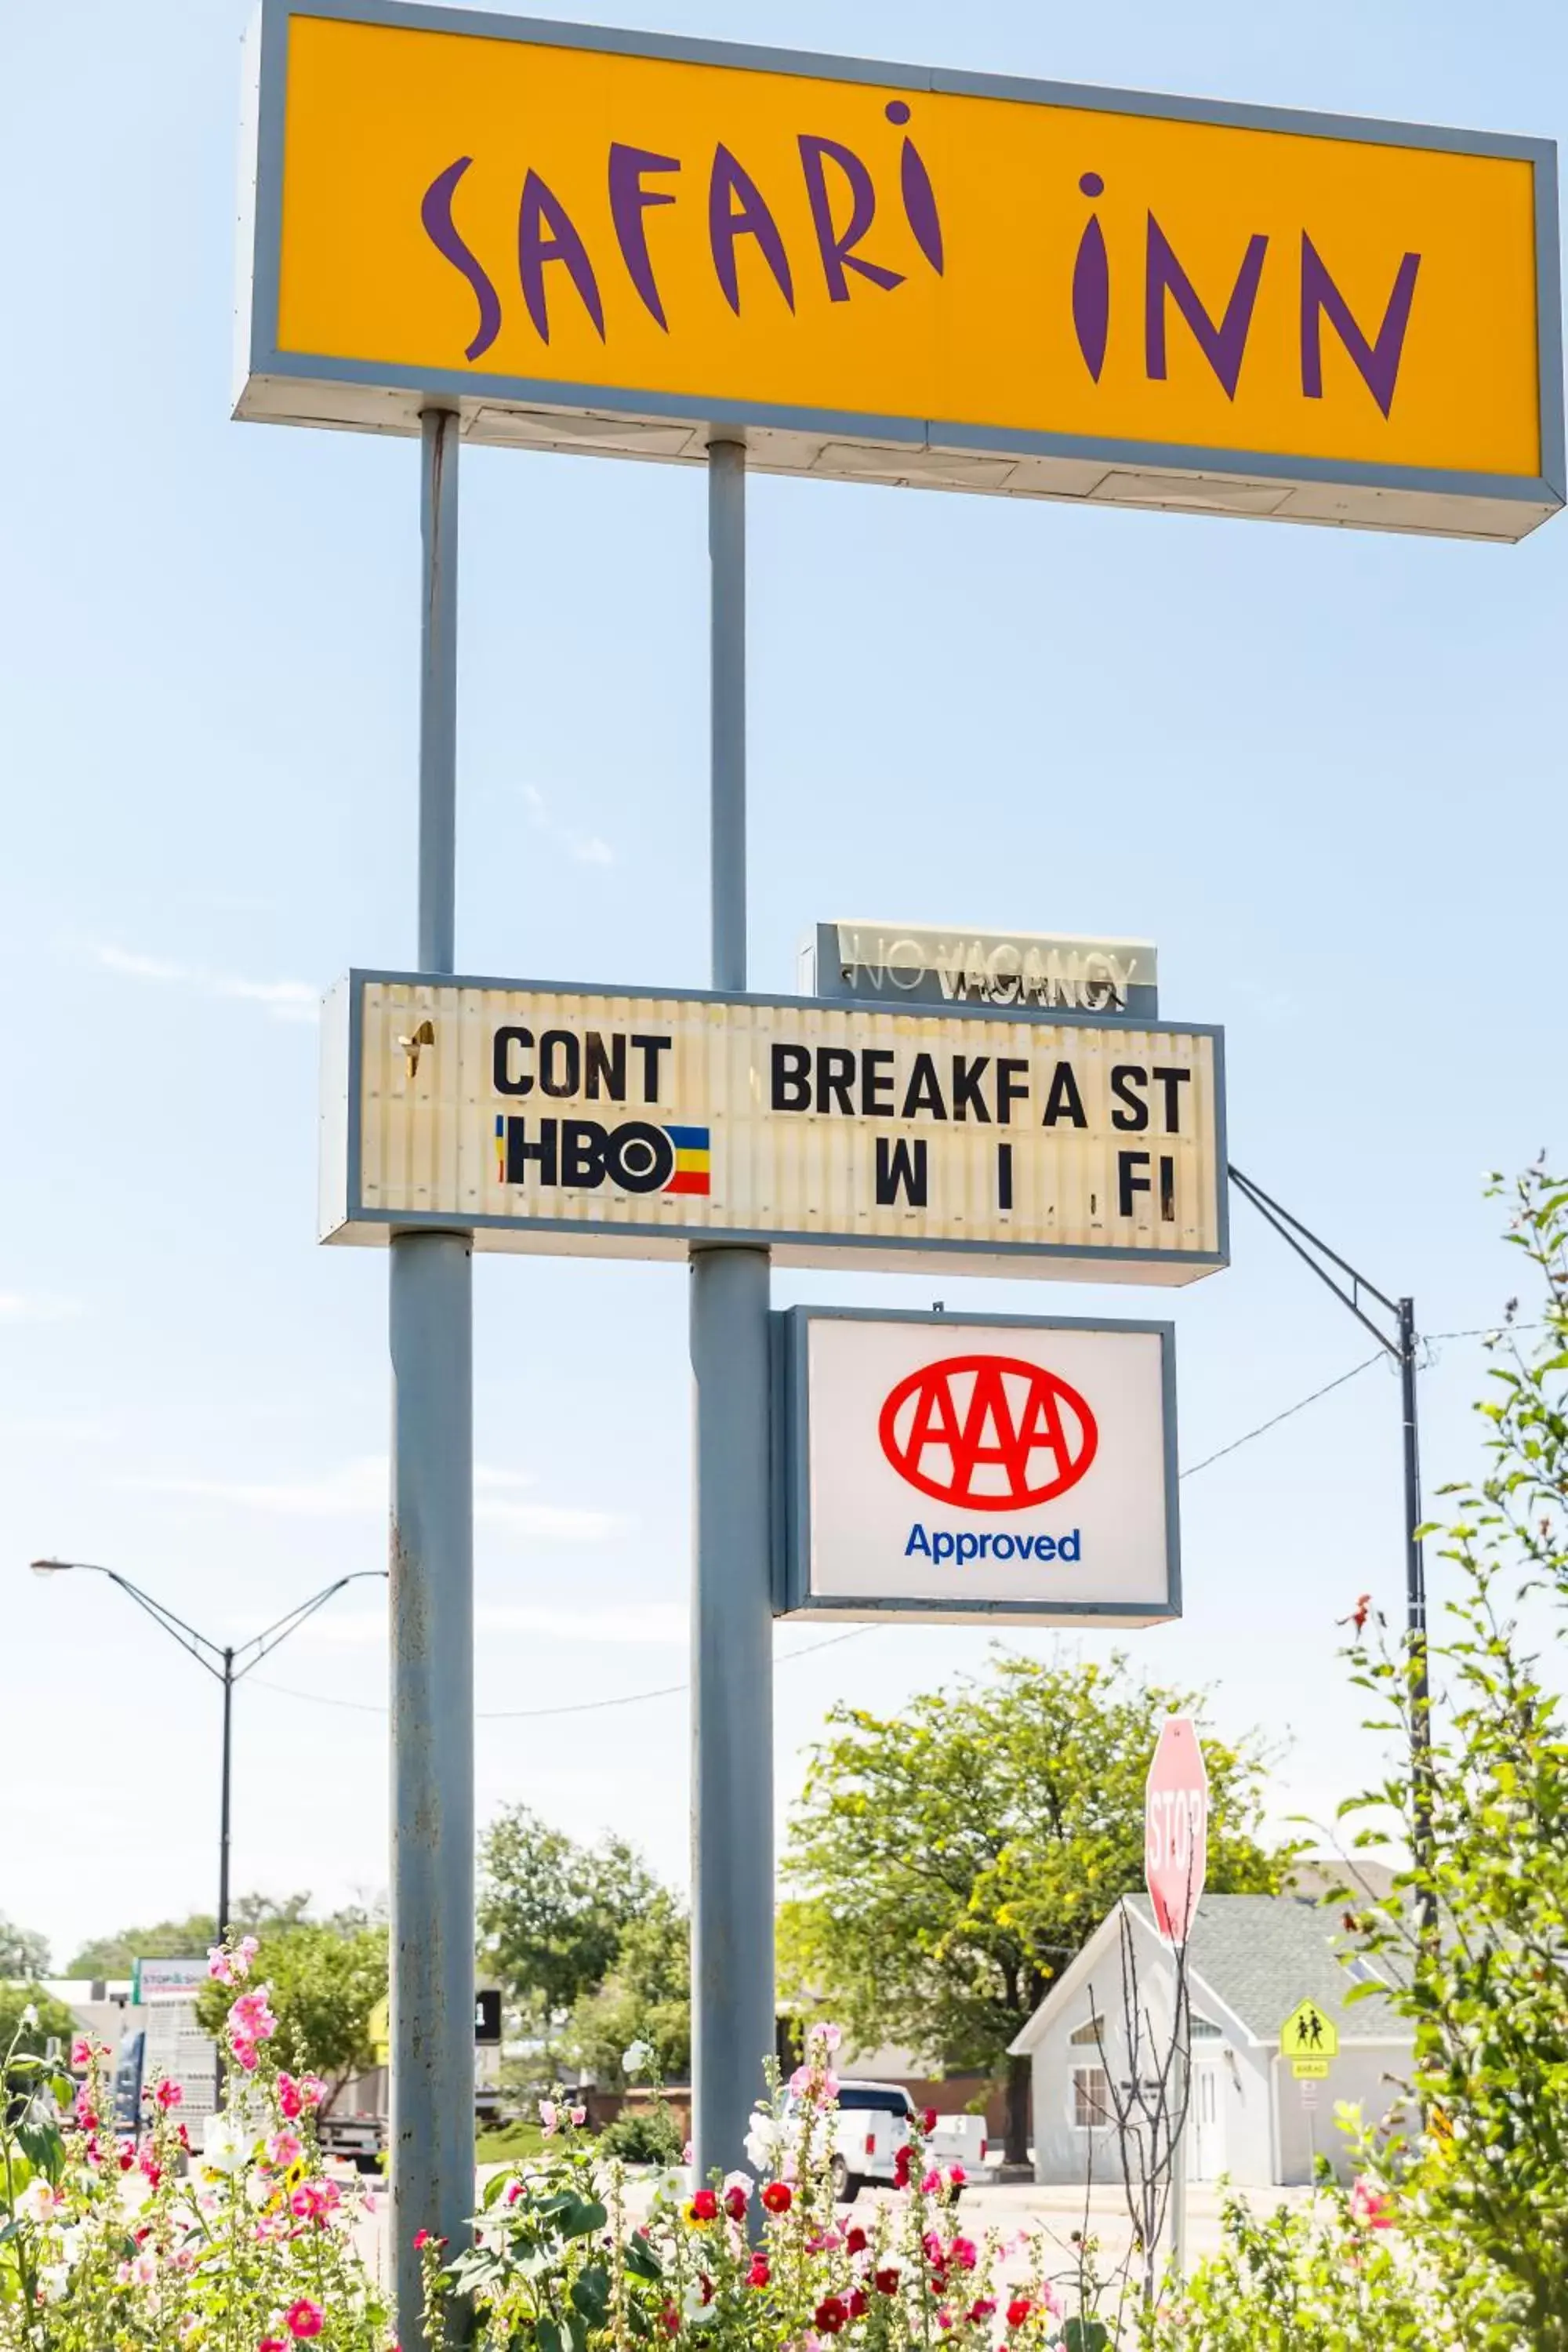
{"x":1356,"y":1294}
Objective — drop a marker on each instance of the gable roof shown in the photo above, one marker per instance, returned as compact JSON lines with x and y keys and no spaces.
{"x":1255,"y":1955}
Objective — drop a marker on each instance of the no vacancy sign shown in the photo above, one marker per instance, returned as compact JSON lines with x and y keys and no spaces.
{"x":987,"y":1467}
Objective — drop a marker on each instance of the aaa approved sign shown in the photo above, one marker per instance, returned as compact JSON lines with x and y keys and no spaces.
{"x":595,"y":1122}
{"x":979,"y":1467}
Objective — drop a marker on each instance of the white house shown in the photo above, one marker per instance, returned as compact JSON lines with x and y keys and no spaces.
{"x":1251,"y":1960}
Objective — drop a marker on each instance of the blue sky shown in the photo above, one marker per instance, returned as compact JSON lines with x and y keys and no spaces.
{"x":1322,"y":771}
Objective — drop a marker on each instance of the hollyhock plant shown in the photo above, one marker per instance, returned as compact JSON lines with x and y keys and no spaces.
{"x":173,"y":2239}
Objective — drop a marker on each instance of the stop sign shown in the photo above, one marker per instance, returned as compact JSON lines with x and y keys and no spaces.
{"x":1176,"y":1827}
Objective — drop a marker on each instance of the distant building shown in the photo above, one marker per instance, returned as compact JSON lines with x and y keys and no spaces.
{"x":1251,"y":1959}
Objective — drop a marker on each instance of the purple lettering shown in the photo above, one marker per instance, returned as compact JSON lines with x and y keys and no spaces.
{"x":920,"y":196}
{"x":1377,"y":364}
{"x":628,"y":202}
{"x":436,"y":218}
{"x":838,"y":250}
{"x":726,"y":223}
{"x":541,"y":210}
{"x":1091,"y":285}
{"x":1224,"y":346}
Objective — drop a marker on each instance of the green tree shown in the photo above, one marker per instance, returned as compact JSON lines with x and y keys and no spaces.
{"x":952,"y":1861}
{"x":1484,"y":1984}
{"x":188,"y":1938}
{"x":551,"y":1912}
{"x":325,"y":1986}
{"x":22,"y":1953}
{"x":54,"y":2018}
{"x":646,"y":1997}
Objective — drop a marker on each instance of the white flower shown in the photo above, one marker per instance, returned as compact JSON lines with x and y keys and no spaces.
{"x":701,"y":2310}
{"x":763,"y":2140}
{"x":227,"y":2146}
{"x":39,"y":2203}
{"x":635,"y":2058}
{"x":30,"y":2014}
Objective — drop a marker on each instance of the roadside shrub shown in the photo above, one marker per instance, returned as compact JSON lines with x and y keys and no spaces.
{"x":643,"y":2136}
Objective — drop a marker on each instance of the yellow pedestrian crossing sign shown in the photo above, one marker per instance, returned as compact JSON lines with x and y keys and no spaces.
{"x":1308,"y":2039}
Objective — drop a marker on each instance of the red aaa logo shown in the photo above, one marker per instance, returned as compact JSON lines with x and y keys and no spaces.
{"x":988,"y":1431}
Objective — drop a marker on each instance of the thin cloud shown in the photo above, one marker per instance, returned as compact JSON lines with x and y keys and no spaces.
{"x":36,"y":1307}
{"x":358,"y":1489}
{"x":583,"y":848}
{"x":648,"y":1625}
{"x":285,"y":1000}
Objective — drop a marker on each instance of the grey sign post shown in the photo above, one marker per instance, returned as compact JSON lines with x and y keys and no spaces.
{"x":731,"y":1597}
{"x":432,"y":1550}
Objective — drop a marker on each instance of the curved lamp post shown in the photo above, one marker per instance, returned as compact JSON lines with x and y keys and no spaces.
{"x":226,"y":1662}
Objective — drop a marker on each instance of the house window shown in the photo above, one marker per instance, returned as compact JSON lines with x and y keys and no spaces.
{"x":1088,"y":2035}
{"x":1203,"y":2029}
{"x":1090,"y":2098}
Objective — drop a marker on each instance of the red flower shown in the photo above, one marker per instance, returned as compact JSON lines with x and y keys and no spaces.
{"x":704,"y":2206}
{"x":735,"y":2204}
{"x":304,"y":2318}
{"x":759,"y":2274}
{"x":831,"y":2315}
{"x":902,"y":2159}
{"x":855,"y":2242}
{"x":982,"y":2307}
{"x":670,"y":2319}
{"x":928,"y":2120}
{"x":956,"y":2177}
{"x":1018,"y":2310}
{"x":778,"y":2197}
{"x":421,"y":2239}
{"x":272,"y":2344}
{"x":886,"y":2282}
{"x":859,"y":2304}
{"x":127,"y":2158}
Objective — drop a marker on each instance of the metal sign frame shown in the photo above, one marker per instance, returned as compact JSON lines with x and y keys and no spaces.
{"x":346,"y":1220}
{"x":792,"y":1477}
{"x":377,"y":396}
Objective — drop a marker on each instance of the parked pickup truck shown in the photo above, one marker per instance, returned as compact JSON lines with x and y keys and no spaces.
{"x":873,"y":2124}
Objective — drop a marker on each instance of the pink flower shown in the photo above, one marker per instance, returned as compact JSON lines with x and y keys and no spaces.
{"x":932,"y":2182}
{"x":251,"y":2017}
{"x":1370,"y":2207}
{"x":579,"y":2115}
{"x":312,"y":2090}
{"x":956,"y":2176}
{"x":284,"y":2149}
{"x":963,"y":2252}
{"x":982,"y":2307}
{"x":827,"y":2037}
{"x":81,"y":2050}
{"x":304,"y":2318}
{"x":220,"y":1968}
{"x":549,"y":2117}
{"x":272,"y":2344}
{"x":169,"y":2094}
{"x":291,"y":2096}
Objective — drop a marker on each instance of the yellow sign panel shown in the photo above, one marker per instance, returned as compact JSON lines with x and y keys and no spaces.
{"x":1309,"y":2038}
{"x":592,"y":238}
{"x":593,"y":1121}
{"x":1309,"y":2070}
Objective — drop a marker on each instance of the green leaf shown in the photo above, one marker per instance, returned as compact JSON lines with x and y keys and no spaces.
{"x":641,"y":2261}
{"x":1086,"y":2335}
{"x":547,"y":2335}
{"x":591,"y":2293}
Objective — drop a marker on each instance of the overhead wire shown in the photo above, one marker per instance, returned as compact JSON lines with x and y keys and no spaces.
{"x":676,"y":1690}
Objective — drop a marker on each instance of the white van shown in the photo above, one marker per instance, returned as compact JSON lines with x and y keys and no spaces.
{"x":873,"y":2124}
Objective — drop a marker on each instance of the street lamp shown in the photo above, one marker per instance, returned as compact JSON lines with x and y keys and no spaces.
{"x":227,"y":1664}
